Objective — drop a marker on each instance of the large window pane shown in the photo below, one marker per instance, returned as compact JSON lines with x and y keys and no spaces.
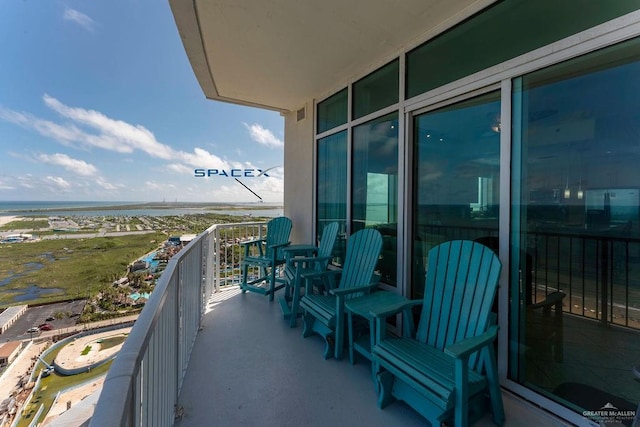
{"x":375,"y":186}
{"x":575,"y":280}
{"x":456,"y":171}
{"x":506,"y":30}
{"x":377,"y":90}
{"x":332,"y":188}
{"x":332,"y":112}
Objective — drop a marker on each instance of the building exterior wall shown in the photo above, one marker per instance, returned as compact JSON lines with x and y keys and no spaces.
{"x":299,"y":175}
{"x":497,"y":212}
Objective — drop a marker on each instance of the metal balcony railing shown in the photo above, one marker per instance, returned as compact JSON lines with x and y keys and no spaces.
{"x":597,"y":271}
{"x":145,"y":380}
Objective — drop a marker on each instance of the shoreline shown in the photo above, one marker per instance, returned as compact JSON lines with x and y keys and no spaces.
{"x":7,"y":219}
{"x":149,"y":205}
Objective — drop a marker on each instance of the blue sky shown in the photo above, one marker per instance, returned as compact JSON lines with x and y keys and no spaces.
{"x":98,"y":101}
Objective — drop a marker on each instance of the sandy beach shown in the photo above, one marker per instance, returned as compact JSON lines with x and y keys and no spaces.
{"x":7,"y":219}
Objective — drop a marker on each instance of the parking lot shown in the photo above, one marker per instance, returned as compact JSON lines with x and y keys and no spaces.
{"x":64,"y":315}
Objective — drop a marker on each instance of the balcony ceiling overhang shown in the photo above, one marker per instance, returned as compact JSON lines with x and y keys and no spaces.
{"x":279,"y":54}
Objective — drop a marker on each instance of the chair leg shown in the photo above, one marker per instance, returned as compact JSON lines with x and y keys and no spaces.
{"x":329,"y":346}
{"x":272,"y":284}
{"x":350,"y":336}
{"x":372,"y":343}
{"x":243,"y":285}
{"x":307,"y":325}
{"x":339,"y":332}
{"x":295,"y":301}
{"x":461,"y":393}
{"x":497,"y":407}
{"x":385,"y":385}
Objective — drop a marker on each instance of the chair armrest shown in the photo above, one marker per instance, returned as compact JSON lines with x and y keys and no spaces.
{"x":252,"y":242}
{"x":325,"y":275}
{"x":310,"y":259}
{"x":317,"y":274}
{"x":347,"y":291}
{"x":394,"y":309}
{"x":279,"y":245}
{"x":462,"y":349}
{"x":296,"y":250}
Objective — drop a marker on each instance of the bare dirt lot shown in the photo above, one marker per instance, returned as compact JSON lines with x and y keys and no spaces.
{"x":90,"y":349}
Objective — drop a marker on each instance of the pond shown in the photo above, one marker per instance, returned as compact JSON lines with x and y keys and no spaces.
{"x":33,"y":291}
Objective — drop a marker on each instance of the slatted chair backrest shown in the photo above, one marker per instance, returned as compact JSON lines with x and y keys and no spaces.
{"x":327,"y":242}
{"x":325,"y":249}
{"x":461,"y":283}
{"x":278,"y":232}
{"x":363,"y":252}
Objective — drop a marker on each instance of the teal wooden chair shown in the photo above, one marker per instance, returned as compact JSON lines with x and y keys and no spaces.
{"x":304,"y":259}
{"x":324,"y":312}
{"x":445,"y":371}
{"x":266,"y":255}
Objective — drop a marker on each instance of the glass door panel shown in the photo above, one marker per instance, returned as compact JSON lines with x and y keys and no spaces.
{"x":331,"y":189}
{"x":456,"y":169}
{"x":375,"y":187}
{"x":575,"y":279}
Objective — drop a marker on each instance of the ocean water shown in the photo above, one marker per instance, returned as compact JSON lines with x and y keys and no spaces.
{"x":53,"y":208}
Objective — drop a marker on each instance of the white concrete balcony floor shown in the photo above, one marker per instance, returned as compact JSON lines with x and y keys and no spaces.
{"x":248,"y":368}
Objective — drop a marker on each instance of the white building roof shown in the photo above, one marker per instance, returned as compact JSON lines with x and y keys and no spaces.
{"x":11,"y":313}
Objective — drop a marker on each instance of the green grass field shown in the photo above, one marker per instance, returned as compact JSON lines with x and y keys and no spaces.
{"x":109,"y":342}
{"x":26,"y":224}
{"x":76,"y":266}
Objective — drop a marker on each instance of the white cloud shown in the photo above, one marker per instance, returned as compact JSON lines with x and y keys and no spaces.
{"x":73,"y":165}
{"x":107,"y":185}
{"x":180,"y":168}
{"x":58,"y":181}
{"x":79,"y":18}
{"x":91,"y":130}
{"x":263,"y":136}
{"x":5,"y":184}
{"x":114,"y":135}
{"x":158,"y":186}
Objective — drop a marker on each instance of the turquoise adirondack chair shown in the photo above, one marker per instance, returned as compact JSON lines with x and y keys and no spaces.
{"x":324,"y":312}
{"x":304,"y":259}
{"x":267,"y":255}
{"x":444,"y":372}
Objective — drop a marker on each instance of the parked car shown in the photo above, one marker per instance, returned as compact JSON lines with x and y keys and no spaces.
{"x":32,"y":330}
{"x":50,"y":319}
{"x":46,"y":327}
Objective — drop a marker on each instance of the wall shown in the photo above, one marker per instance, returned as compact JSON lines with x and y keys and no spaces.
{"x":299,"y":166}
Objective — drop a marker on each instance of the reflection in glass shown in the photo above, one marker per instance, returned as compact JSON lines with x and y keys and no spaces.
{"x":332,"y":188}
{"x":576,"y":230}
{"x":333,"y":111}
{"x":456,"y":173}
{"x":377,"y":90}
{"x":375,"y":186}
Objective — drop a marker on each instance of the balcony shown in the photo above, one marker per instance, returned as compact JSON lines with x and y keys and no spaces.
{"x":203,"y":354}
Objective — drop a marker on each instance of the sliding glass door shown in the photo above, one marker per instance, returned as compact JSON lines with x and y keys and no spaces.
{"x":575,"y":279}
{"x":456,"y":169}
